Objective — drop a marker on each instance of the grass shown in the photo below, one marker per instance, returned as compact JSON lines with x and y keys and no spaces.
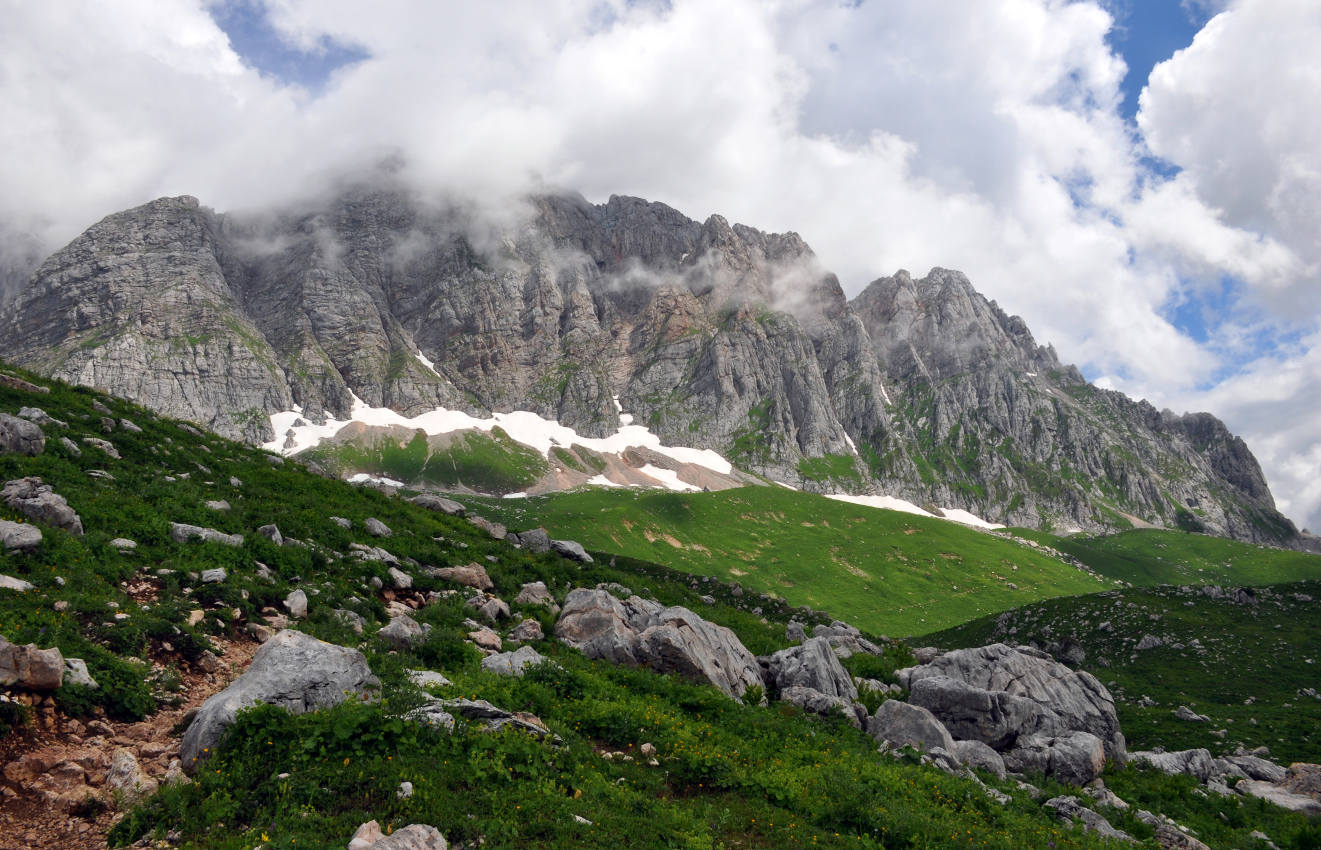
{"x":884,"y":571}
{"x":1246,"y":671}
{"x":1146,"y":557}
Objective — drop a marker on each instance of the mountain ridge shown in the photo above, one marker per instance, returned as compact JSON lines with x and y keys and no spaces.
{"x":713,"y":335}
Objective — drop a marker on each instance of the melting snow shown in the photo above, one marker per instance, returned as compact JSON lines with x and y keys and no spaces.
{"x":849,"y":440}
{"x":522,"y":425}
{"x":362,"y":478}
{"x":668,"y":477}
{"x":891,"y":503}
{"x":422,"y":358}
{"x":602,"y":481}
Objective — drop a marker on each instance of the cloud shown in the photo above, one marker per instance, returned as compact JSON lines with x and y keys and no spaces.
{"x":983,"y":135}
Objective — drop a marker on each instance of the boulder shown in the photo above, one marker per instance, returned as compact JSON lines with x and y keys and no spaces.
{"x":1069,"y":809}
{"x":902,"y":725}
{"x":428,"y":678}
{"x":471,"y":575}
{"x":526,"y":630}
{"x":794,"y":632}
{"x":975,"y":754}
{"x":816,"y":702}
{"x":495,"y":529}
{"x":76,"y":673}
{"x":292,"y":670}
{"x":572,"y":550}
{"x":810,"y":665}
{"x":216,"y":505}
{"x":36,"y":501}
{"x":272,"y":533}
{"x":215,"y":575}
{"x":1253,"y":767}
{"x":376,"y":528}
{"x":1183,"y":712}
{"x":1280,"y":796}
{"x":19,"y":436}
{"x":483,"y":714}
{"x":17,"y":585}
{"x":439,"y":504}
{"x":104,"y":445}
{"x":403,"y":632}
{"x":512,"y":663}
{"x":492,"y":608}
{"x":1196,"y":763}
{"x":30,"y":667}
{"x":296,"y":604}
{"x":182,"y":533}
{"x":126,"y":779}
{"x":533,"y":540}
{"x":845,"y":640}
{"x":997,"y":694}
{"x":412,"y":837}
{"x":399,"y":579}
{"x":39,"y":417}
{"x":638,"y":632}
{"x":1074,"y":758}
{"x":19,"y":536}
{"x":536,"y":593}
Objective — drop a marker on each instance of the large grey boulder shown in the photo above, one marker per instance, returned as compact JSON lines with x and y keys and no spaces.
{"x":1197,"y":762}
{"x":1257,"y":768}
{"x":19,"y":536}
{"x":183,"y":532}
{"x":1074,"y":758}
{"x":439,"y":504}
{"x":434,"y":712}
{"x":536,"y":593}
{"x":19,"y":436}
{"x":1069,"y":809}
{"x":17,"y":585}
{"x":997,"y":694}
{"x":811,"y":665}
{"x":30,"y":667}
{"x":902,"y":725}
{"x":641,"y":633}
{"x":292,"y":670}
{"x":472,"y":575}
{"x":846,"y":640}
{"x":37,"y":501}
{"x":415,"y":836}
{"x":979,"y":755}
{"x":403,"y":632}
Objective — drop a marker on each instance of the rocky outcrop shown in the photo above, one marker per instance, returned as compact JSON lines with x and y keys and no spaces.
{"x":903,"y":725}
{"x":30,"y":667}
{"x":812,"y":665}
{"x":18,"y":536}
{"x":512,"y":663}
{"x":183,"y":532}
{"x":642,"y":633}
{"x":37,"y":501}
{"x":412,"y":837}
{"x":717,"y":336}
{"x":997,"y":694}
{"x":291,"y":670}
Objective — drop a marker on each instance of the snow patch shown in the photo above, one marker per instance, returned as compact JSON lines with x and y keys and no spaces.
{"x":522,"y":425}
{"x":668,"y":477}
{"x":602,"y":481}
{"x":962,"y":516}
{"x":422,"y":358}
{"x":363,"y":478}
{"x":884,"y":394}
{"x":894,"y":504}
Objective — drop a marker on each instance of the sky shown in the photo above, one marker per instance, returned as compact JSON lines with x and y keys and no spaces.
{"x":1139,"y":179}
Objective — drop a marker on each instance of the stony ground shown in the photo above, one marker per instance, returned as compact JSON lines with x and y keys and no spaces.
{"x":58,"y":780}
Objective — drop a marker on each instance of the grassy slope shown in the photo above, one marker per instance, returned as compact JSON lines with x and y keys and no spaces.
{"x":731,"y":775}
{"x":888,"y":572}
{"x":1148,"y":557}
{"x":1268,"y":651}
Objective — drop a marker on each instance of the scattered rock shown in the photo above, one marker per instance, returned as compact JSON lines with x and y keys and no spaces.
{"x":1074,"y":758}
{"x":19,"y":436}
{"x":533,"y":540}
{"x":978,"y":755}
{"x":439,"y":503}
{"x":104,"y":445}
{"x":30,"y":667}
{"x":341,"y":522}
{"x":811,"y":665}
{"x":272,"y":533}
{"x":572,"y":550}
{"x":492,"y":608}
{"x":372,"y":553}
{"x":128,"y":425}
{"x":490,"y":717}
{"x":845,"y":640}
{"x":214,"y":576}
{"x":71,"y":447}
{"x":126,"y":780}
{"x":536,"y":593}
{"x":495,"y":529}
{"x":411,"y":837}
{"x":527,"y":630}
{"x":472,"y":575}
{"x":217,"y":505}
{"x":638,"y":632}
{"x":403,"y":632}
{"x":182,"y":533}
{"x":794,"y":632}
{"x":1183,"y":712}
{"x":1196,"y":762}
{"x":19,"y":536}
{"x":38,"y":416}
{"x":292,"y":670}
{"x":37,"y":501}
{"x":376,"y":528}
{"x":428,"y":678}
{"x":1068,"y":809}
{"x":816,"y":702}
{"x":123,"y":544}
{"x":399,"y":579}
{"x":350,"y":618}
{"x":512,"y":663}
{"x":486,"y":639}
{"x":15,"y":584}
{"x":296,"y":604}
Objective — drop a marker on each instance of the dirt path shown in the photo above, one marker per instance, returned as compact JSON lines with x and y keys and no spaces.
{"x":58,"y":763}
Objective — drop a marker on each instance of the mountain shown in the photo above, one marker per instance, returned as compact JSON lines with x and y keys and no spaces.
{"x":711,"y":336}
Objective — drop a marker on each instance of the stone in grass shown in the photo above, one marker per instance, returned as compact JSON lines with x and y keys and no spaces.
{"x":536,"y":593}
{"x":19,"y":536}
{"x":513,"y":663}
{"x":296,"y":604}
{"x":412,"y":837}
{"x":399,"y":579}
{"x":527,"y":630}
{"x":214,"y":575}
{"x":37,"y":501}
{"x":403,"y":632}
{"x":439,"y":503}
{"x":17,"y":585}
{"x":123,"y":544}
{"x":292,"y":670}
{"x":341,"y":522}
{"x":217,"y":505}
{"x":272,"y":533}
{"x":19,"y":436}
{"x":376,"y":528}
{"x":182,"y":533}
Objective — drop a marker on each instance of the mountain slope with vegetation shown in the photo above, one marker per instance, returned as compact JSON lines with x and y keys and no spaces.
{"x":146,"y":618}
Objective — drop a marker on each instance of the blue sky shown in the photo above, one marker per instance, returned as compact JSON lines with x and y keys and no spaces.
{"x":262,"y":47}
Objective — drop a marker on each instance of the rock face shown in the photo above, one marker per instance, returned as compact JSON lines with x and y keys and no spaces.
{"x":811,"y":665}
{"x":642,"y":633}
{"x":997,"y":693}
{"x":292,"y":670}
{"x":903,"y":725}
{"x":690,"y":325}
{"x":35,"y":500}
